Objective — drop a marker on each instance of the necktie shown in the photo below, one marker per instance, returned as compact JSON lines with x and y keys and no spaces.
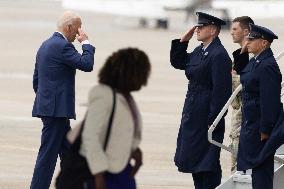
{"x":253,"y":62}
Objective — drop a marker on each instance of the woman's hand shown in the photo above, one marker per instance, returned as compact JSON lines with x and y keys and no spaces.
{"x":137,"y":157}
{"x":188,"y":35}
{"x":100,"y":181}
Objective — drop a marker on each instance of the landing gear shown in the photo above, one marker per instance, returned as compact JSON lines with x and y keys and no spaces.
{"x":143,"y":23}
{"x":228,"y":24}
{"x":162,"y":23}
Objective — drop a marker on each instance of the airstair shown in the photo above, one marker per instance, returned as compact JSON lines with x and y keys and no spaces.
{"x":241,"y":180}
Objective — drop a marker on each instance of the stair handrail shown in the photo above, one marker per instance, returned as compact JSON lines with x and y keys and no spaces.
{"x":224,"y":110}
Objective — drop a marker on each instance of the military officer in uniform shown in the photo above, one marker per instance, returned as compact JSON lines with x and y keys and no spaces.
{"x":261,"y":81}
{"x":208,"y":67}
{"x":239,"y":31}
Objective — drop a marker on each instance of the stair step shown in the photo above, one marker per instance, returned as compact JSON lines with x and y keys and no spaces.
{"x":242,"y":178}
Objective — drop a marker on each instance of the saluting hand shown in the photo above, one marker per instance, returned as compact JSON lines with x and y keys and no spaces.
{"x":244,"y":47}
{"x":188,"y":35}
{"x":81,"y":36}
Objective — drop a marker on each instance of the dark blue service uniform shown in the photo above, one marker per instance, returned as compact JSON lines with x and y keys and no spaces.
{"x":209,"y":87}
{"x":261,"y":80}
{"x":262,"y":112}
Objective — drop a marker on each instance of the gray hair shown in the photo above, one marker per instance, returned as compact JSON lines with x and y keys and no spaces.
{"x":67,"y":18}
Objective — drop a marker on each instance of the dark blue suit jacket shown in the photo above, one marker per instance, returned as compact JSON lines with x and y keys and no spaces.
{"x":54,"y":76}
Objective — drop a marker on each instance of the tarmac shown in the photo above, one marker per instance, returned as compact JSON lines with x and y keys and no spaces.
{"x":25,"y":24}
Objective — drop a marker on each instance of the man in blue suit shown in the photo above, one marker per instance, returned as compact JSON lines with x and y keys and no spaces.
{"x":54,"y":85}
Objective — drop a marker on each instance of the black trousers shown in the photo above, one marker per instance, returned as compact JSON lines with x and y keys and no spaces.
{"x":262,"y":175}
{"x":207,"y":179}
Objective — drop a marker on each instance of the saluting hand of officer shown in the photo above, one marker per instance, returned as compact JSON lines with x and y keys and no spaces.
{"x":81,"y":36}
{"x":188,"y":35}
{"x":244,"y":47}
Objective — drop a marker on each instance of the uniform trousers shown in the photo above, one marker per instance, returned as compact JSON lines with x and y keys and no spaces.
{"x":53,"y":143}
{"x":262,"y":175}
{"x":207,"y":179}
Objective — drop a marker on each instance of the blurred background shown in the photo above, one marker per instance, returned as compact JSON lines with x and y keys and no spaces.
{"x":112,"y":24}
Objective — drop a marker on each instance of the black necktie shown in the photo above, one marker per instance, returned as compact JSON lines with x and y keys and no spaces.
{"x":253,"y":63}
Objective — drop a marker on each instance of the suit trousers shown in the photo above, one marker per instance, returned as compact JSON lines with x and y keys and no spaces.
{"x":207,"y":179}
{"x":262,"y":175}
{"x":53,"y":143}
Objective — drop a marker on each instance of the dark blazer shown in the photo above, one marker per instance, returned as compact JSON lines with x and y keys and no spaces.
{"x":54,"y":76}
{"x":209,"y":87}
{"x":261,"y":81}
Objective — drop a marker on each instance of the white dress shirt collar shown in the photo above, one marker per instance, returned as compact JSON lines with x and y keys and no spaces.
{"x":62,"y":35}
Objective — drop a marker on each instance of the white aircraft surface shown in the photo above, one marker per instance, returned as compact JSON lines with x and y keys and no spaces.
{"x":142,"y":9}
{"x":253,"y":8}
{"x":146,"y":10}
